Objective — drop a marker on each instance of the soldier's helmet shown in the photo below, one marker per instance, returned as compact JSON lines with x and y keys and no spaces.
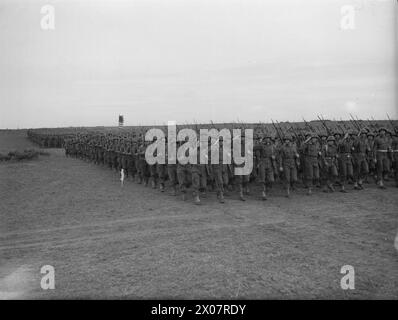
{"x":331,"y":138}
{"x":363,"y":131}
{"x":267,"y":135}
{"x":288,"y":137}
{"x":382,"y":129}
{"x":337,"y":134}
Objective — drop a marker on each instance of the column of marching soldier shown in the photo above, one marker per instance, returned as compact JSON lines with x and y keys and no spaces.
{"x":318,"y":160}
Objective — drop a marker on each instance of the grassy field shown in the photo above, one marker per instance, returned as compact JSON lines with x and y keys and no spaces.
{"x":105,"y":241}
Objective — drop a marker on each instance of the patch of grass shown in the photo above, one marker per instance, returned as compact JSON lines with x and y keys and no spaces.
{"x":27,"y":154}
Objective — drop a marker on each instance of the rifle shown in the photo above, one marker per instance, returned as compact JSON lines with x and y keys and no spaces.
{"x":280,"y":128}
{"x":295,"y":134}
{"x":309,"y":126}
{"x":277,"y":131}
{"x":324,"y":124}
{"x":392,"y":123}
{"x":356,"y":125}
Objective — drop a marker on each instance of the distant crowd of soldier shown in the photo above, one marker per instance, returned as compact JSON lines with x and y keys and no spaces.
{"x":325,"y":160}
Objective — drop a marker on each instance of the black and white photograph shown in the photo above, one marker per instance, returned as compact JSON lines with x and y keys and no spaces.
{"x":198,"y":150}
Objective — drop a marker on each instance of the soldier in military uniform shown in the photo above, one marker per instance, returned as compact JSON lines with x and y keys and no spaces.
{"x":161,"y":171}
{"x":142,"y":165}
{"x":199,"y":177}
{"x":242,"y":181}
{"x":311,"y":154}
{"x":344,"y":153}
{"x":394,"y":151}
{"x":381,"y":148}
{"x":329,"y":164}
{"x":359,"y":152}
{"x":183,"y":175}
{"x":288,"y":163}
{"x":371,"y":157}
{"x":220,"y":173}
{"x":265,"y":154}
{"x":172,"y":171}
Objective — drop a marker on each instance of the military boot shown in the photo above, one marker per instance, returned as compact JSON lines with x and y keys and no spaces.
{"x":356,"y":187}
{"x":221,"y":197}
{"x":381,"y":185}
{"x":343,"y":189}
{"x":309,"y":192}
{"x":161,"y":187}
{"x":263,"y":195}
{"x":241,"y":196}
{"x":288,"y":192}
{"x":153,"y":182}
{"x":174,"y":191}
{"x":196,"y":198}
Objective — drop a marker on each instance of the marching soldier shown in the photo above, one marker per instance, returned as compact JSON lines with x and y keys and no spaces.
{"x":241,"y":180}
{"x":220,"y":173}
{"x":161,"y":172}
{"x":311,"y":155}
{"x":344,"y":150}
{"x":183,"y":174}
{"x":395,"y":155}
{"x":199,"y":177}
{"x":381,"y":148}
{"x":266,"y":154}
{"x":361,"y":168}
{"x":329,"y":164}
{"x":288,"y":163}
{"x":172,"y":171}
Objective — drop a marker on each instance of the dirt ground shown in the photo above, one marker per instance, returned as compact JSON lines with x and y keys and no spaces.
{"x":105,"y":241}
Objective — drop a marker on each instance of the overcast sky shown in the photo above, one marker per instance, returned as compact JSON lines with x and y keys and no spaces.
{"x":202,"y":60}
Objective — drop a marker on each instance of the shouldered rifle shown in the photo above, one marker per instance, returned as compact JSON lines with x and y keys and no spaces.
{"x":325,"y":126}
{"x":392,"y":123}
{"x":277,"y":131}
{"x":309,"y":126}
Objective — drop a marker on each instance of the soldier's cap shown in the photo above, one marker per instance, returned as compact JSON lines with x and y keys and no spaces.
{"x":382,"y":129}
{"x":331,"y":138}
{"x":370,"y":133}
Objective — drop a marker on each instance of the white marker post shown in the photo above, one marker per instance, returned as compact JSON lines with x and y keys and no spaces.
{"x":122,"y":177}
